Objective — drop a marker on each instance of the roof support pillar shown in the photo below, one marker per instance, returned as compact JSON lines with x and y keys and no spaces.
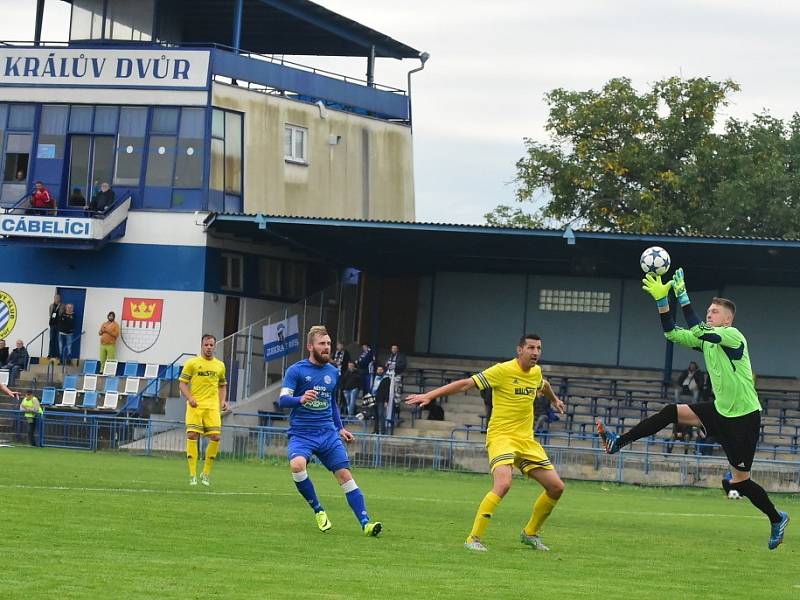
{"x":37,"y":32}
{"x":238,"y":9}
{"x":371,"y":67}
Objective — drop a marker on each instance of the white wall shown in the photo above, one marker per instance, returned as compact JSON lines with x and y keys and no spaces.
{"x":181,"y":323}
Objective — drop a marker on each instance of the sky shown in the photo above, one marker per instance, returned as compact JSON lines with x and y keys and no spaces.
{"x":482,"y":91}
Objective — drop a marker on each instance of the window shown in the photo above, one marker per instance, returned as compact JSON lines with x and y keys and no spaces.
{"x":129,"y":21}
{"x":575,"y":301}
{"x":160,"y":161}
{"x":87,"y":20}
{"x":130,"y":145}
{"x":295,"y":146}
{"x":231,"y":272}
{"x":18,"y":151}
{"x":226,"y":152}
{"x":269,"y":277}
{"x":189,"y":159}
{"x":52,"y":132}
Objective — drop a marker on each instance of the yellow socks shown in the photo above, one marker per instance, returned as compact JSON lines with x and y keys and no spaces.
{"x":485,"y":511}
{"x":542,"y":508}
{"x":211,"y":454}
{"x":191,"y":456}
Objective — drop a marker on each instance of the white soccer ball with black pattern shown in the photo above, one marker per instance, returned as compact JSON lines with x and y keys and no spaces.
{"x":655,"y":260}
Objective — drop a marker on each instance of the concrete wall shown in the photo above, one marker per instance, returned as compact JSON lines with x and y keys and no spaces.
{"x":477,"y":314}
{"x":368,"y":174}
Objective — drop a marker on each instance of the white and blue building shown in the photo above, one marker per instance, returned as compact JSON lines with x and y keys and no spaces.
{"x":187,"y":109}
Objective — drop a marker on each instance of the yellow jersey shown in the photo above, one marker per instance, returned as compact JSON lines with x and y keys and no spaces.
{"x":204,"y":376}
{"x":513,"y":393}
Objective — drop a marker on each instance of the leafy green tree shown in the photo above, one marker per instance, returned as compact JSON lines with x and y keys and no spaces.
{"x":652,"y":162}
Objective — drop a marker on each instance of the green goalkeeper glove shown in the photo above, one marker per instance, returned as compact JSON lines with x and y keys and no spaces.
{"x":679,"y":286}
{"x":653,"y":285}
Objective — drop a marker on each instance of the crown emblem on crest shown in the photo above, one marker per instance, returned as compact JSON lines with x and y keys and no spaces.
{"x":142,"y":310}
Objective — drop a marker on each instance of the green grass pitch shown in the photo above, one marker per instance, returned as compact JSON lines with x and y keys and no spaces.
{"x":107,"y":525}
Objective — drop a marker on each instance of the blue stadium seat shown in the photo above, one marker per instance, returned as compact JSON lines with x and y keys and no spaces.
{"x":131,"y":369}
{"x":89,"y":400}
{"x":70,"y":382}
{"x":90,"y":367}
{"x":112,"y":384}
{"x":48,"y":396}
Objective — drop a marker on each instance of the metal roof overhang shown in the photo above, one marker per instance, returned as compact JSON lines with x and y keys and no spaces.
{"x":282,"y":27}
{"x":424,"y":248}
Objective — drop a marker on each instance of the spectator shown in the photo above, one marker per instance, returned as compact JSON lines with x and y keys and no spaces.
{"x":41,"y":200}
{"x":103,"y":200}
{"x":17,"y":361}
{"x":109,"y":332}
{"x":77,"y":199}
{"x":3,"y":352}
{"x":395,"y":367}
{"x":341,"y":358}
{"x":690,"y":381}
{"x":32,"y":411}
{"x":351,"y":385}
{"x":56,"y":308}
{"x":66,"y":330}
{"x":680,"y":433}
{"x":21,"y":175}
{"x":365,"y":362}
{"x":380,"y":390}
{"x":540,"y":411}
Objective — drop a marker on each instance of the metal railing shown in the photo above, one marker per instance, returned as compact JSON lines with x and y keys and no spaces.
{"x":272,"y":58}
{"x":243,"y":351}
{"x":642,"y":463}
{"x":39,"y":336}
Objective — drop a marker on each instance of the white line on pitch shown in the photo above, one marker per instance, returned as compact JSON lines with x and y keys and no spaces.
{"x":64,"y":488}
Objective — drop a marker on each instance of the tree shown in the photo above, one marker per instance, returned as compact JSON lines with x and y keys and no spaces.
{"x":651,"y":162}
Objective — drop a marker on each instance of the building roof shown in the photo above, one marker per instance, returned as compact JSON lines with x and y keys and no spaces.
{"x":296,"y":27}
{"x":413,"y":247}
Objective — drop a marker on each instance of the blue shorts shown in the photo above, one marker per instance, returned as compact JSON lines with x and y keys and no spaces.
{"x":325,"y":444}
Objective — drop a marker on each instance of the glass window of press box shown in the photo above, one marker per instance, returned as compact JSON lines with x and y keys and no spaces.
{"x":159,"y":156}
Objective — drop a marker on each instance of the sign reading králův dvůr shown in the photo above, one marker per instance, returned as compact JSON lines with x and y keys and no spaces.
{"x":186,"y":69}
{"x":50,"y":227}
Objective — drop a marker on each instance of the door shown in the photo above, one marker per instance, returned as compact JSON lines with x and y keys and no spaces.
{"x":91,"y":162}
{"x":76,"y":297}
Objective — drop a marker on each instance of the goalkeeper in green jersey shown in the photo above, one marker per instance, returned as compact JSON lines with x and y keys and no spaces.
{"x":734,"y":418}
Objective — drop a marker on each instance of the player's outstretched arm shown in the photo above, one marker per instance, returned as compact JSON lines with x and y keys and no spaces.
{"x":7,"y":391}
{"x":454,"y":387}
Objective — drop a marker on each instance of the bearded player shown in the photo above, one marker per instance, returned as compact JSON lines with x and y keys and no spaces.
{"x":315,"y":427}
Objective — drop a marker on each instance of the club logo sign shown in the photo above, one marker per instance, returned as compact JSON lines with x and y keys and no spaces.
{"x":8,"y":314}
{"x":141,"y":322}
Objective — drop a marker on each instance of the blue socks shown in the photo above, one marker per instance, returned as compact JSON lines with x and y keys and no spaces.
{"x":306,"y":489}
{"x":356,"y":501}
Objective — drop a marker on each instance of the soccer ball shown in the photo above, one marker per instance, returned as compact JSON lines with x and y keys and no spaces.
{"x":655,"y":260}
{"x":734,"y":495}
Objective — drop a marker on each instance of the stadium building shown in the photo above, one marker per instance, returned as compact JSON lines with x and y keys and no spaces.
{"x":186,"y":109}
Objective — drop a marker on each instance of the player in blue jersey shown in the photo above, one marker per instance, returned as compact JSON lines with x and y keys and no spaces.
{"x":315,"y":427}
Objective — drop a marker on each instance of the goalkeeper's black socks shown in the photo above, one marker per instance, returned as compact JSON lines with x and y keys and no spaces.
{"x":758,"y":496}
{"x":651,"y":425}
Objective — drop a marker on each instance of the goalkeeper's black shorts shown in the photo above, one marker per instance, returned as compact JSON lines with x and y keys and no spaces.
{"x":738,"y":436}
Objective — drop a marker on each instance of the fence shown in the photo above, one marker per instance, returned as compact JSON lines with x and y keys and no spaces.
{"x":243,"y":352}
{"x":145,"y":436}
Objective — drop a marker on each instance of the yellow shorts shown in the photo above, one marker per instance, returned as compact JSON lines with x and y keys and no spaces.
{"x":524,"y":453}
{"x":205,"y":421}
